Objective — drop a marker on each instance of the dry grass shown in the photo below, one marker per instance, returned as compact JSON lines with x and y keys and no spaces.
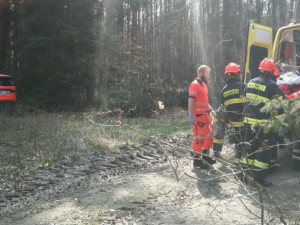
{"x":32,"y":138}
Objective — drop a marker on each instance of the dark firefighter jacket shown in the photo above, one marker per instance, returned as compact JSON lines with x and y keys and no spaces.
{"x":232,"y":99}
{"x":258,"y":92}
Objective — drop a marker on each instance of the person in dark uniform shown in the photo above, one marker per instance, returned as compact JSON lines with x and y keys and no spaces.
{"x":230,"y":114}
{"x":258,"y":151}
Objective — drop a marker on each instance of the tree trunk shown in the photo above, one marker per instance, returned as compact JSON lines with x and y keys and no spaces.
{"x":4,"y":34}
{"x":259,"y":9}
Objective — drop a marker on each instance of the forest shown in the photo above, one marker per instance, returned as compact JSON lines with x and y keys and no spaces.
{"x":125,"y":54}
{"x":100,"y":134}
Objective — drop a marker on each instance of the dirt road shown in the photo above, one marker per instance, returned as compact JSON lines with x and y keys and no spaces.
{"x":155,"y":192}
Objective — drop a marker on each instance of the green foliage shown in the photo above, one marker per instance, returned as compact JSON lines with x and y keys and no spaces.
{"x":61,"y":48}
{"x":106,"y":102}
{"x":290,"y":121}
{"x":112,"y":54}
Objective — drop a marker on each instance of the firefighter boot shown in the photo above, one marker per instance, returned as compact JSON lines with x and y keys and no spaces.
{"x":208,"y":159}
{"x":260,"y":175}
{"x":273,"y":159}
{"x":264,"y":182}
{"x":217,"y":153}
{"x":217,"y":148}
{"x":241,"y":173}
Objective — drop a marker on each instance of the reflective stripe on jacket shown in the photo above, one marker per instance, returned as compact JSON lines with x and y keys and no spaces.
{"x":199,"y":92}
{"x":259,"y":91}
{"x":233,"y":100}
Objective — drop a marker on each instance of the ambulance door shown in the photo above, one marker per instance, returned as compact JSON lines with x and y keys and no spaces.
{"x":259,"y":46}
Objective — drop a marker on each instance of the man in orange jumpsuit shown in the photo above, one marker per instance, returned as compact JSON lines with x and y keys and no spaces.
{"x":199,"y":111}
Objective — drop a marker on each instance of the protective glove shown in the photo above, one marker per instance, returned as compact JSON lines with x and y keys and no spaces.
{"x":214,"y":113}
{"x":192,"y":120}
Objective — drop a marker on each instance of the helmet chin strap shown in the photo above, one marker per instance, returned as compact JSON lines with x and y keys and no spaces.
{"x":267,"y":74}
{"x":233,"y":75}
{"x":264,"y":73}
{"x":274,"y":78}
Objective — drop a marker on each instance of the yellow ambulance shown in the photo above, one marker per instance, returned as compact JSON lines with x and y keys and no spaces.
{"x":283,"y":47}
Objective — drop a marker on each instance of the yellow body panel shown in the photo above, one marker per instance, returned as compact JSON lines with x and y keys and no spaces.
{"x":259,"y":46}
{"x":285,"y":50}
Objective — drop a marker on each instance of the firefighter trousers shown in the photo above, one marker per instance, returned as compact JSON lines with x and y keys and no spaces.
{"x":203,"y":131}
{"x":219,"y":136}
{"x":257,"y":150}
{"x":234,"y":138}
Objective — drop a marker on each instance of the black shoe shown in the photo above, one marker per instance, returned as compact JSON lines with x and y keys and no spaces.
{"x":200,"y":164}
{"x":197,"y":163}
{"x":210,"y":160}
{"x":204,"y":166}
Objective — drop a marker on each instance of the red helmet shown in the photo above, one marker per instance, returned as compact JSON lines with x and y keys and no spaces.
{"x":232,"y":68}
{"x":267,"y":64}
{"x":276,"y":73}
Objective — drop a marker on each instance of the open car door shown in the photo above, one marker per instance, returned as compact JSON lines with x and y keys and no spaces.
{"x":259,"y":46}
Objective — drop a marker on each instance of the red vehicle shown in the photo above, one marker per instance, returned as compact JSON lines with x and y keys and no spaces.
{"x":7,"y":89}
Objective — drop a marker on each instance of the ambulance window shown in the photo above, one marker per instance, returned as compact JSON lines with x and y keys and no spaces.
{"x":298,"y":57}
{"x":286,"y":51}
{"x":297,"y":43}
{"x":256,"y":55}
{"x":296,"y":35}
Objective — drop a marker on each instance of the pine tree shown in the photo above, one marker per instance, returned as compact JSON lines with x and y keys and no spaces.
{"x":59,"y":46}
{"x":289,"y":122}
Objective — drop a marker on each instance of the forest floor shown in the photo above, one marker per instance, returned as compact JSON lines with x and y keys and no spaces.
{"x":167,"y":190}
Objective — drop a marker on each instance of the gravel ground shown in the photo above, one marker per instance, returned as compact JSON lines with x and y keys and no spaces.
{"x":151,"y":185}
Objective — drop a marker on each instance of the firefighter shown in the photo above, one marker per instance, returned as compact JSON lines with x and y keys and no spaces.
{"x":199,"y":110}
{"x":230,"y":114}
{"x":259,"y":91}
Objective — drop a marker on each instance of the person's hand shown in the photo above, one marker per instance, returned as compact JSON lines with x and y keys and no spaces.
{"x":214,"y":113}
{"x":192,"y":120}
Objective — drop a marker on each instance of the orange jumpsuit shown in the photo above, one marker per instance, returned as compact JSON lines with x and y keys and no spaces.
{"x":203,"y":128}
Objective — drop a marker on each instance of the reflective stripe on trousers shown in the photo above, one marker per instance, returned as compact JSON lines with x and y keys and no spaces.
{"x":203,"y":130}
